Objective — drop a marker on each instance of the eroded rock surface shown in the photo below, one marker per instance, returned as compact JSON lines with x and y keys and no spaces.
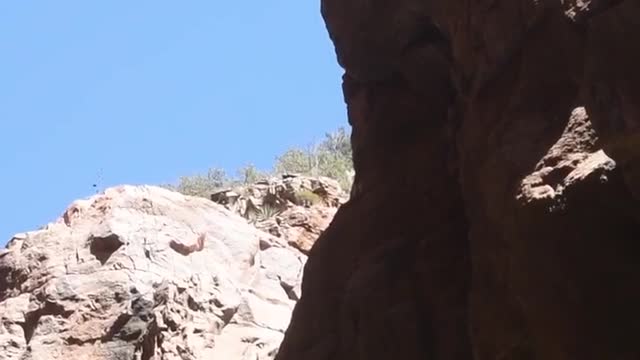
{"x":495,"y":209}
{"x":141,"y":272}
{"x":295,"y":208}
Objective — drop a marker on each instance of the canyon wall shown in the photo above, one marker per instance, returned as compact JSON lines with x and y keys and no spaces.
{"x":495,"y":212}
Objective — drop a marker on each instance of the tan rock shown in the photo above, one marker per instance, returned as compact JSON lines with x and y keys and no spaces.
{"x":141,"y":271}
{"x":295,"y":208}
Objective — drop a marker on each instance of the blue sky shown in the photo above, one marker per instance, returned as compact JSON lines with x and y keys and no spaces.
{"x":143,"y":92}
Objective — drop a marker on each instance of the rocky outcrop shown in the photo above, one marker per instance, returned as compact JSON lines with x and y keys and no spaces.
{"x":494,"y":213}
{"x":294,"y":207}
{"x":140,"y":272}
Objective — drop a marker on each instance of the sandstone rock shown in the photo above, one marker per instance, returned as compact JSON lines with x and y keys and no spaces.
{"x":141,"y":272}
{"x":295,"y":208}
{"x":568,"y":162}
{"x":496,"y":201}
{"x":280,"y":193}
{"x":301,"y":226}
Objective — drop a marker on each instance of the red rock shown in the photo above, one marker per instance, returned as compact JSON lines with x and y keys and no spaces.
{"x":491,"y":217}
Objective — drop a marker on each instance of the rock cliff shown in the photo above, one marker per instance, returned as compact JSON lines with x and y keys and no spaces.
{"x":141,"y":272}
{"x":496,"y":207}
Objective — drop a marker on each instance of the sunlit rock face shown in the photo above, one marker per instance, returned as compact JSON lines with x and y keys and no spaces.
{"x":141,"y":272}
{"x":496,"y":206}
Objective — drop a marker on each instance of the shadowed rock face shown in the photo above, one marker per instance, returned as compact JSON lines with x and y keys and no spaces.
{"x":496,"y":206}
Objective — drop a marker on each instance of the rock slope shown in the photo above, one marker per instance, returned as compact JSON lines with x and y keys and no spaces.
{"x":495,"y":210}
{"x":141,"y":272}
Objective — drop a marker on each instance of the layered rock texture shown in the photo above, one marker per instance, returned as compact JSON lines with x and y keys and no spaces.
{"x":141,"y":272}
{"x":295,"y":208}
{"x":496,"y":207}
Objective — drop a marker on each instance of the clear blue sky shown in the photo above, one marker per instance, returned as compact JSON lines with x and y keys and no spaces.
{"x":143,"y":92}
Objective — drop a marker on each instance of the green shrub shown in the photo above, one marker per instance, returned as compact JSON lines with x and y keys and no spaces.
{"x":203,"y":185}
{"x":307,"y":198}
{"x":249,"y":174}
{"x":296,"y":161}
{"x":331,"y":157}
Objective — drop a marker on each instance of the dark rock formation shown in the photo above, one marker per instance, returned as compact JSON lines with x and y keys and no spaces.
{"x":496,"y":206}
